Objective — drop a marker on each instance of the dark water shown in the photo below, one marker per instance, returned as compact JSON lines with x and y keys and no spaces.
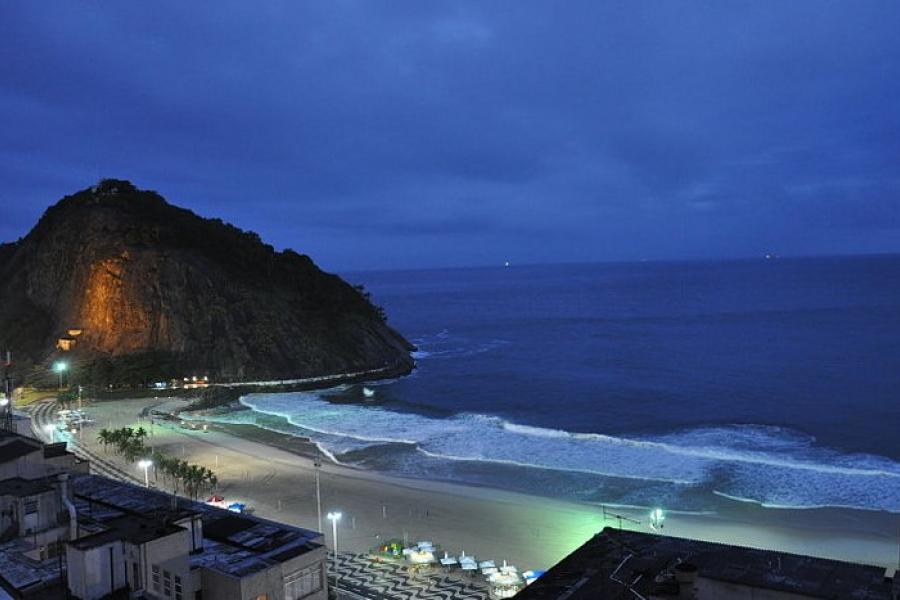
{"x":691,"y":384}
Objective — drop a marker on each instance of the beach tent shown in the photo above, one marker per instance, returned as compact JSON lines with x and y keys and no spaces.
{"x":448,"y":561}
{"x":467,"y":563}
{"x":531,"y":576}
{"x":504,"y":584}
{"x":421,"y":557}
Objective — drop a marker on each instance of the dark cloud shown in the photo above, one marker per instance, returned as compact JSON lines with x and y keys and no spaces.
{"x":441,"y":133}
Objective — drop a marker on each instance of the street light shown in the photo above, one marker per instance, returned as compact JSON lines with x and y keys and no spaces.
{"x":60,"y":367}
{"x":334,"y":517}
{"x":145,"y":465}
{"x":317,"y":463}
{"x":7,"y":412}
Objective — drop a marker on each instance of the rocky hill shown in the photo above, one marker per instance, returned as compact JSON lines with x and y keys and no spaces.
{"x":131,"y":289}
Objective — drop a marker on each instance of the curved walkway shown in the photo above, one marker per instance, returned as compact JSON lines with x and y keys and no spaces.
{"x":43,"y":413}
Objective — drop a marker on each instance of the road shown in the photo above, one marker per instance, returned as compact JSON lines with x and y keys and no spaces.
{"x":43,"y":413}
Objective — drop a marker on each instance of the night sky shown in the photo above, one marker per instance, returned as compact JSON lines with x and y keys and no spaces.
{"x":380,"y":135}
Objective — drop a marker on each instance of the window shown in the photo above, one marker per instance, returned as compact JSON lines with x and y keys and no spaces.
{"x":303,"y":583}
{"x":178,"y":595}
{"x":167,"y":583}
{"x":31,"y":506}
{"x":156,"y":578}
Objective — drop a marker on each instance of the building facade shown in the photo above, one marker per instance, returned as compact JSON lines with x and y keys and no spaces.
{"x":65,"y":533}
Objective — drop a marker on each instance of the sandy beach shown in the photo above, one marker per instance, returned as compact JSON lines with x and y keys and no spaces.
{"x":530,"y":531}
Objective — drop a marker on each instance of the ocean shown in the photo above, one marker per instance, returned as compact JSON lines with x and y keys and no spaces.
{"x":689,"y":385}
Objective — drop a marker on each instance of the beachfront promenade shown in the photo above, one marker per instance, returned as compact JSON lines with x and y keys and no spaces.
{"x":361,"y":577}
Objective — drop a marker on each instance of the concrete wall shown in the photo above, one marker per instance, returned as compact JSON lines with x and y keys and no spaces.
{"x":12,"y":513}
{"x":316,"y":558}
{"x":269,"y":581}
{"x":218,"y":585}
{"x":23,"y":466}
{"x":34,"y":465}
{"x":91,"y":573}
{"x":225,"y":587}
{"x":170,"y":553}
{"x":194,"y":524}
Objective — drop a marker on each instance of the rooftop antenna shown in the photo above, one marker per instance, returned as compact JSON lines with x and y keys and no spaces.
{"x":620,"y":518}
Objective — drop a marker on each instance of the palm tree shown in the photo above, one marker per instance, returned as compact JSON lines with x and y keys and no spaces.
{"x":132,"y":449}
{"x":179,"y":473}
{"x":105,"y":437}
{"x":212,"y":481}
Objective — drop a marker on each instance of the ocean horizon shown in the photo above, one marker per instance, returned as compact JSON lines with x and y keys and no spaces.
{"x":692,"y":385}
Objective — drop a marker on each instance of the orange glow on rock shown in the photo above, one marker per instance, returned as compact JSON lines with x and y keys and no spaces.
{"x":115,"y":319}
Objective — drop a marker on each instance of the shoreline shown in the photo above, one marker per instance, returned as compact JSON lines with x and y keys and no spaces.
{"x":275,"y":475}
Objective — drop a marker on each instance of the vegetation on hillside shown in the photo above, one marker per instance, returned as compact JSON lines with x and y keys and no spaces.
{"x":160,"y":293}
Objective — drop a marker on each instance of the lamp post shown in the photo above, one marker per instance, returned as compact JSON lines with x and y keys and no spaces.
{"x":60,"y":367}
{"x":7,"y":409}
{"x":145,"y":465}
{"x":6,"y":391}
{"x":317,"y":463}
{"x":334,"y":517}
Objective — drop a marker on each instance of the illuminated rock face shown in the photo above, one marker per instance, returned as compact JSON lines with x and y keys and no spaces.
{"x":117,"y":321}
{"x":151,"y":284}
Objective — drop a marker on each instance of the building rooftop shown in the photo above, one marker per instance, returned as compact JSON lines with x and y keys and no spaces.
{"x":54,"y":450}
{"x":127,"y":528}
{"x":101,"y":493}
{"x":22,"y":573}
{"x":20,"y":487}
{"x":235,"y":544}
{"x":14,"y":446}
{"x":614,"y":562}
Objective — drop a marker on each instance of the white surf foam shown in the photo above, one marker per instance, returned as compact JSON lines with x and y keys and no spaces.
{"x":766,"y":464}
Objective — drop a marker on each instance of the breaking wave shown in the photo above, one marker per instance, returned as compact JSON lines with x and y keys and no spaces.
{"x":773,"y":466}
